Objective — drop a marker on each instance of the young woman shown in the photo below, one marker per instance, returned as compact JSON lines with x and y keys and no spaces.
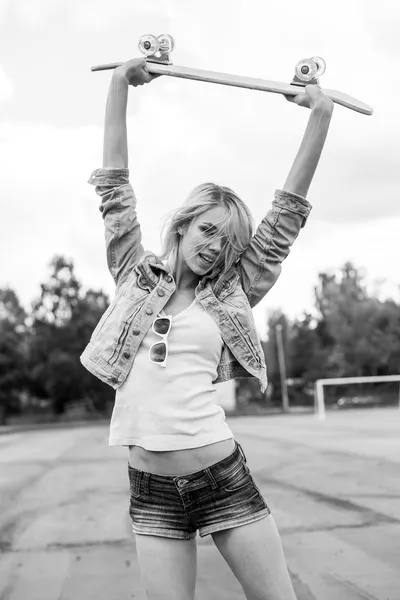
{"x":179,"y":324}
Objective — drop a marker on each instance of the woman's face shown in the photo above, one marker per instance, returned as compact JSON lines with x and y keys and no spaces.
{"x":200,"y":233}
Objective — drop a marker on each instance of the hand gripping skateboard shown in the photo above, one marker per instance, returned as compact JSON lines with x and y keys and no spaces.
{"x":157,"y":51}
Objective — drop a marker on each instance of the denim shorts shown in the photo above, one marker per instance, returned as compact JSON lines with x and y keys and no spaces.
{"x":220,"y":497}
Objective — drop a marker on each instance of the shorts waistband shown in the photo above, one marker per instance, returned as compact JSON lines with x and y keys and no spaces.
{"x":216,"y":472}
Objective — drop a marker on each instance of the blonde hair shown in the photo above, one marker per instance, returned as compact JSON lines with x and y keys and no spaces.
{"x":236,"y":225}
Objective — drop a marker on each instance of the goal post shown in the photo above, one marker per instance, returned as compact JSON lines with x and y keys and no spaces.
{"x":319,"y":401}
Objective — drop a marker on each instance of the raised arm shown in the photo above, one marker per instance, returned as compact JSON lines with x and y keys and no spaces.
{"x":261,"y":263}
{"x":118,"y":201}
{"x":305,"y":164}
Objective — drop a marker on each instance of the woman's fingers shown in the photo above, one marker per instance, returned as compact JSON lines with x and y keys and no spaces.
{"x":148,"y":77}
{"x":295,"y":99}
{"x":311,"y":95}
{"x":136,"y":73}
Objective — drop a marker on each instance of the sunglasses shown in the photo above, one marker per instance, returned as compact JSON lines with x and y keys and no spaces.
{"x":158,"y":352}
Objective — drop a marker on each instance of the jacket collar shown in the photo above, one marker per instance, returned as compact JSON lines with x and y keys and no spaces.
{"x":150,"y":266}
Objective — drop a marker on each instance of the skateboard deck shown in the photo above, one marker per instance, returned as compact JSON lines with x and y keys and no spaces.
{"x":306,"y":72}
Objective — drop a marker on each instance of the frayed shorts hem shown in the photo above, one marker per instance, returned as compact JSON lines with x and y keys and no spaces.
{"x":166,"y":533}
{"x":203,"y":531}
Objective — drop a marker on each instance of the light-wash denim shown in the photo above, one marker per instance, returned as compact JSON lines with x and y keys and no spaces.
{"x":144,"y":285}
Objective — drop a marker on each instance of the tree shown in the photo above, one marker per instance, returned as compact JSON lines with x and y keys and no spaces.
{"x":63,"y":320}
{"x":85,"y":317}
{"x":272,"y":360}
{"x":351,"y":325}
{"x":59,"y":296}
{"x":12,"y":352}
{"x":305,"y":346}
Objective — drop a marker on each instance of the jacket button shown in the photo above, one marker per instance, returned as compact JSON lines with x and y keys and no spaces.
{"x":135,"y":331}
{"x":126,"y":354}
{"x":149,"y":311}
{"x":161,"y":292}
{"x":168,"y":279}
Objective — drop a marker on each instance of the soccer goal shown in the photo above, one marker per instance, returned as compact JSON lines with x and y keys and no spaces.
{"x":319,"y":401}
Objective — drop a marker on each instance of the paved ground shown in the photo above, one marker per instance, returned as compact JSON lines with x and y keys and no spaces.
{"x":334,"y":488}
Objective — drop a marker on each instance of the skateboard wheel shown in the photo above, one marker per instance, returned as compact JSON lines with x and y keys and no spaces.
{"x":321,"y":65}
{"x":166,"y":43}
{"x":148,"y":45}
{"x":306,"y":69}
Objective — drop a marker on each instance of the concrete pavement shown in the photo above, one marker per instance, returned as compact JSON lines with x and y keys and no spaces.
{"x":334,"y":489}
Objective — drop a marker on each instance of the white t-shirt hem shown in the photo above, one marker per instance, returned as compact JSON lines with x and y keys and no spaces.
{"x":171,"y":442}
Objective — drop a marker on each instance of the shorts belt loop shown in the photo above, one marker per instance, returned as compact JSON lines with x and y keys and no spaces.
{"x":146,"y":481}
{"x":241,"y":452}
{"x":211,"y":478}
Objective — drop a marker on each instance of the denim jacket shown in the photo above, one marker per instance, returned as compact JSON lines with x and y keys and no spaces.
{"x":144,"y":285}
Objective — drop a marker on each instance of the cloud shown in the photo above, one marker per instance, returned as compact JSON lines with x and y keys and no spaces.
{"x":4,"y":6}
{"x":90,"y":15}
{"x":6,"y":86}
{"x":382,"y":20}
{"x":47,"y":207}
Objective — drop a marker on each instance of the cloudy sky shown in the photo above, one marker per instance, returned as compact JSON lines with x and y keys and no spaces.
{"x":182,"y":133}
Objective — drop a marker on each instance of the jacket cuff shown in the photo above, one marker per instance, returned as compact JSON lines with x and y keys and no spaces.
{"x":293,"y":202}
{"x":106,"y":176}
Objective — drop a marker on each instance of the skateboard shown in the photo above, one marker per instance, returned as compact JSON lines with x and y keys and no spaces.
{"x":158,"y":49}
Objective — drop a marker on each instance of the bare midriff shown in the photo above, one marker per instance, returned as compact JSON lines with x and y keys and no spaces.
{"x":179,"y":462}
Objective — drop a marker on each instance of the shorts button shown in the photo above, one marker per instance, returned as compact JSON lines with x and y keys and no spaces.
{"x":181,"y":482}
{"x":135,"y":331}
{"x":126,"y":354}
{"x":114,"y":379}
{"x":161,"y":292}
{"x":149,"y":311}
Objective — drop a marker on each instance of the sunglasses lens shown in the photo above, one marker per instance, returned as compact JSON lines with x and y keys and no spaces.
{"x":161,"y":325}
{"x":158,"y":352}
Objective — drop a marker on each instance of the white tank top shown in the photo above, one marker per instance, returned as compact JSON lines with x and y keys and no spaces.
{"x":173,"y":407}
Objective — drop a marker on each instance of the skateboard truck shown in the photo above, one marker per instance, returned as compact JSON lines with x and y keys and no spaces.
{"x":157,"y":49}
{"x":308,"y":70}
